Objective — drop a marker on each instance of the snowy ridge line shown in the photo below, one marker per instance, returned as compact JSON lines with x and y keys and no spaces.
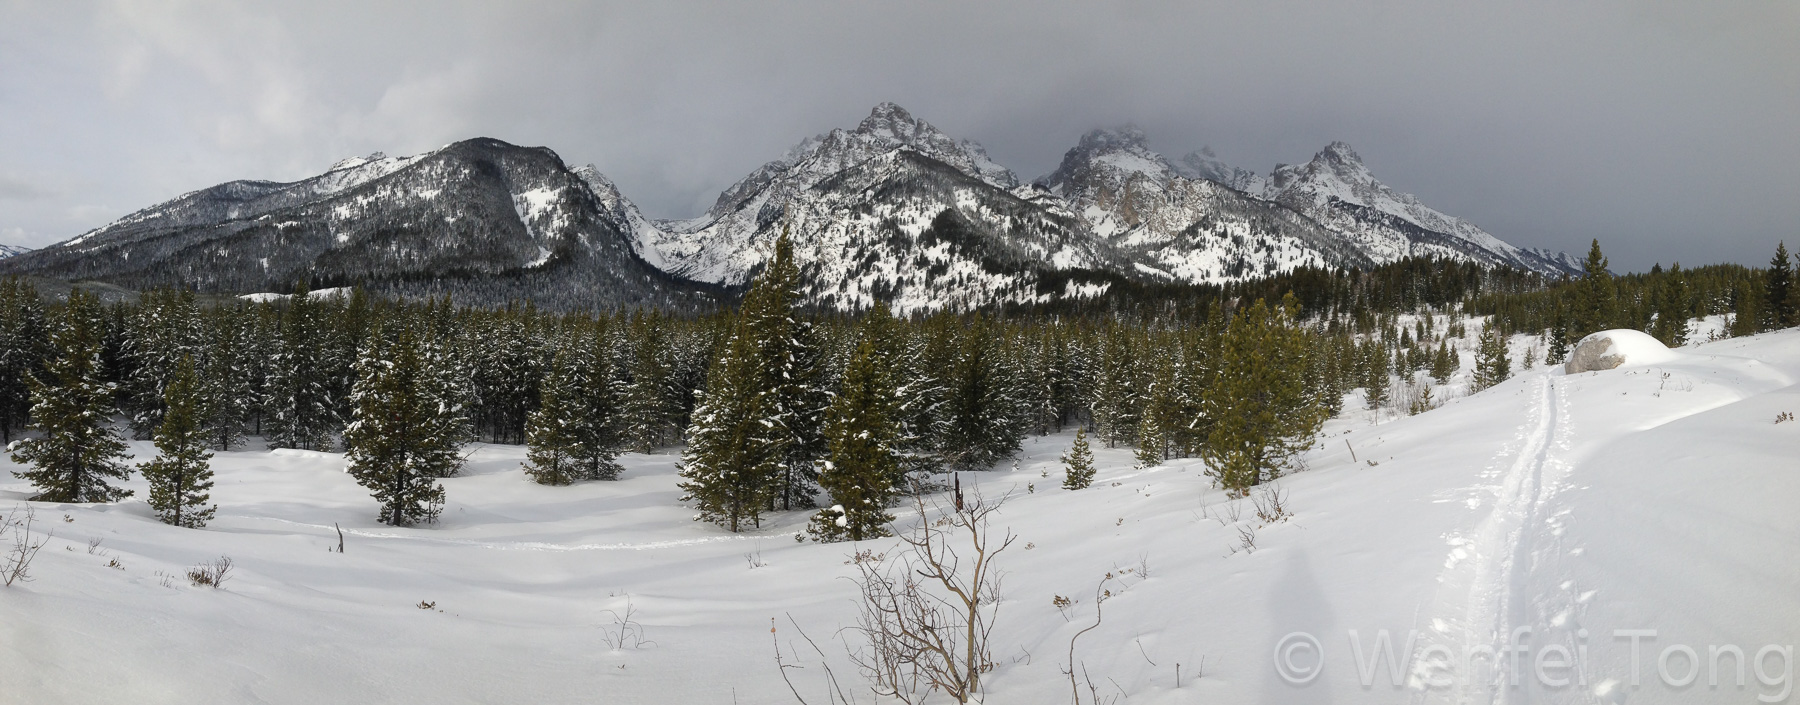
{"x":515,"y":545}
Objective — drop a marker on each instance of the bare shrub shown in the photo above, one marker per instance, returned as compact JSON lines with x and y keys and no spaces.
{"x":25,"y":544}
{"x":927,"y":612}
{"x":625,"y":632}
{"x":1271,"y":504}
{"x":212,"y":574}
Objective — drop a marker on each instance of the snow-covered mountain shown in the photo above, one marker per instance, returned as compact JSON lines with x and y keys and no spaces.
{"x":482,"y":220}
{"x":1338,"y":191}
{"x":892,"y":210}
{"x":1180,"y":227}
{"x":10,"y":250}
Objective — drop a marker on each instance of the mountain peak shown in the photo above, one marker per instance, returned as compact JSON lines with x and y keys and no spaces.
{"x":1339,"y":152}
{"x":1125,"y":137}
{"x":889,"y":120}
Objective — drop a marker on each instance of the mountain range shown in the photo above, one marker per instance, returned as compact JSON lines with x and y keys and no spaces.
{"x":892,"y":210}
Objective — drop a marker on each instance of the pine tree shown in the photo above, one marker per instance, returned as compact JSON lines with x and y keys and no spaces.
{"x":163,"y":330}
{"x":1158,"y":428}
{"x":1596,"y":307}
{"x":1671,"y":325}
{"x":1558,"y":336}
{"x":71,"y":404}
{"x":1262,"y":414}
{"x":1491,"y":364}
{"x":553,"y":433}
{"x":982,"y":422}
{"x":1746,"y":307}
{"x":1444,"y":363}
{"x":1378,"y":384}
{"x":789,"y":356}
{"x":1115,"y":403}
{"x":405,"y":432}
{"x":300,"y":412}
{"x":181,"y":473}
{"x":1778,"y":308}
{"x":24,"y":343}
{"x":733,"y":451}
{"x":601,"y":437}
{"x":861,"y":470}
{"x":1078,"y":463}
{"x":649,"y":395}
{"x":226,"y":390}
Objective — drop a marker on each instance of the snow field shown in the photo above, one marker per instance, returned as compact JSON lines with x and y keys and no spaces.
{"x":1649,"y":497}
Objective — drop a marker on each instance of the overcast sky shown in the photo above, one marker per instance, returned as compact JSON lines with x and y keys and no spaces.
{"x":1671,"y":131}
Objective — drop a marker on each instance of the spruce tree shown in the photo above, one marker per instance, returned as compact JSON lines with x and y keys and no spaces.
{"x":1115,"y":403}
{"x":733,"y":452}
{"x":1778,"y":309}
{"x":226,"y":390}
{"x":24,"y":343}
{"x":789,"y":355}
{"x":1671,"y":325}
{"x":649,"y":398}
{"x":1444,"y":363}
{"x":405,"y":431}
{"x":162,"y":331}
{"x":1596,"y":305}
{"x":1491,"y":363}
{"x":181,"y":474}
{"x":72,"y":405}
{"x":1078,"y":463}
{"x":300,"y":412}
{"x":982,"y":423}
{"x":1378,"y":384}
{"x":553,"y":432}
{"x":601,"y":435}
{"x":1558,"y":335}
{"x":862,"y":467}
{"x":1262,"y":413}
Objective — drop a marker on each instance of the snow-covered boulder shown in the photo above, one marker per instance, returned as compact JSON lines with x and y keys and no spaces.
{"x":1609,"y":349}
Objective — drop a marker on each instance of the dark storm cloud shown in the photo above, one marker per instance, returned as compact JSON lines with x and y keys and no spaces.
{"x":1666,"y":130}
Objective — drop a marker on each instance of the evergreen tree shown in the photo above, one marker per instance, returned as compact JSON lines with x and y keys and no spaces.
{"x":71,"y":404}
{"x":733,"y":451}
{"x":1778,"y":308}
{"x":1378,"y":384}
{"x":789,"y":355}
{"x":1558,"y":336}
{"x":24,"y":343}
{"x":1444,"y":363}
{"x":981,"y":416}
{"x":860,"y":472}
{"x":181,"y":473}
{"x":649,"y":399}
{"x":572,"y":435}
{"x":1746,"y":307}
{"x":163,"y":330}
{"x":226,"y":390}
{"x":1158,"y":423}
{"x":1491,"y":364}
{"x":300,"y":411}
{"x":1596,"y":307}
{"x":1115,"y":402}
{"x":404,"y":432}
{"x":1671,"y":325}
{"x":1262,"y":414}
{"x":1078,"y":463}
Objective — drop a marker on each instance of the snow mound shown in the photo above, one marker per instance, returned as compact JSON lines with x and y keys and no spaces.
{"x":1609,"y":349}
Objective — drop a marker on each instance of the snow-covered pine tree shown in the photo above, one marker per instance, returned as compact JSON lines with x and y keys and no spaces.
{"x":1115,"y":394}
{"x":405,"y":432}
{"x":649,"y":396}
{"x":1491,"y":364}
{"x":226,"y":392}
{"x":299,"y":412}
{"x":163,"y":330}
{"x":24,"y":343}
{"x":553,"y":432}
{"x":601,"y":437}
{"x":1262,"y":414}
{"x":789,"y":351}
{"x":181,"y":474}
{"x":72,"y":405}
{"x":862,"y":467}
{"x":1078,"y":463}
{"x":507,"y":375}
{"x":733,"y":450}
{"x":1160,"y":421}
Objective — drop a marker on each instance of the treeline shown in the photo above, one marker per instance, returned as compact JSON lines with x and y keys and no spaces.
{"x":779,"y":408}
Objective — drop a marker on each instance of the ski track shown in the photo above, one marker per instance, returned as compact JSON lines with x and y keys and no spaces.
{"x":1489,"y":571}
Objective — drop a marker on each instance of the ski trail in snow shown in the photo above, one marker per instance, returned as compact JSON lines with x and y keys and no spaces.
{"x":1488,"y":569}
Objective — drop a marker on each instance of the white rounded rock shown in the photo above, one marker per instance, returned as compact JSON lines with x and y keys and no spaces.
{"x":1609,"y":349}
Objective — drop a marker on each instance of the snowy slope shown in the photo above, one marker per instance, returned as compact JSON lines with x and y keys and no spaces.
{"x":10,"y":250}
{"x":1640,"y":498}
{"x":1336,"y":189}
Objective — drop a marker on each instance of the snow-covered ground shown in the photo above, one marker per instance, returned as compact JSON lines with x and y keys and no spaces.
{"x":1658,"y":498}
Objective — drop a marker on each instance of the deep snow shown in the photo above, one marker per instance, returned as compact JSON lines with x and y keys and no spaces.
{"x":1648,"y":497}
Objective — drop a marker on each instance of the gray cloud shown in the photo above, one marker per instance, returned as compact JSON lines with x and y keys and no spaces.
{"x":1664,"y":129}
